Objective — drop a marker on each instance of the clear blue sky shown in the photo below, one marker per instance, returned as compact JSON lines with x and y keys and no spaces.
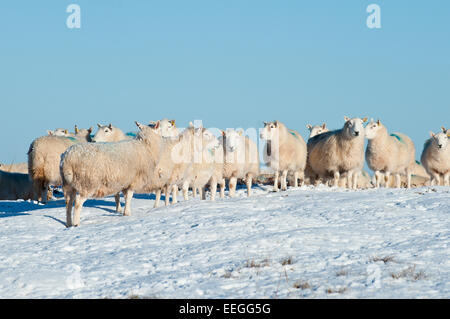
{"x":231,"y":63}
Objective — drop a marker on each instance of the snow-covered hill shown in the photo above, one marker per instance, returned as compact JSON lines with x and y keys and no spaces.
{"x":303,"y":243}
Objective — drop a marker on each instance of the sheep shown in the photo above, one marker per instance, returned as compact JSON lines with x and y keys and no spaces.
{"x":338,"y":152}
{"x":389,"y":153}
{"x":93,"y":170}
{"x":207,"y":166}
{"x":15,"y":168}
{"x":436,"y":157}
{"x":316,"y":129}
{"x":58,"y":132}
{"x":286,"y":152}
{"x":44,"y":155}
{"x":15,"y":186}
{"x":240,"y":159}
{"x":109,"y":133}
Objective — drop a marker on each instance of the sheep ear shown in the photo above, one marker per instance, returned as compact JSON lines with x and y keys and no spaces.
{"x":110,"y":126}
{"x":157,"y":125}
{"x":191,"y":124}
{"x":432,"y":134}
{"x":364,"y":119}
{"x":90,"y":129}
{"x":139,"y":125}
{"x":324,"y":125}
{"x":240,"y":133}
{"x":66,"y":131}
{"x":223,"y":133}
{"x":443,"y":129}
{"x":76,"y":129}
{"x":265,"y":123}
{"x":378,"y":122}
{"x":49,"y":132}
{"x":346,"y":118}
{"x":99,"y":125}
{"x":172,"y":122}
{"x":309,"y":126}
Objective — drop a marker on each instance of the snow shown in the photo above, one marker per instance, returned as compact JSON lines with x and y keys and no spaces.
{"x":303,"y":243}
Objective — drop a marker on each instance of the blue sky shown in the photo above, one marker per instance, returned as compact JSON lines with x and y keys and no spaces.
{"x":229,"y":63}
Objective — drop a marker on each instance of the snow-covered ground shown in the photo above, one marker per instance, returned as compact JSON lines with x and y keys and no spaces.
{"x":302,"y":243}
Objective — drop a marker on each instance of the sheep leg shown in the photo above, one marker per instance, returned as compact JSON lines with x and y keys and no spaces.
{"x":128,"y":197}
{"x":203,"y":192}
{"x":194,"y":192}
{"x":349,"y":181}
{"x":436,"y":180}
{"x":283,"y":180}
{"x":222,"y":188}
{"x":79,"y":201}
{"x":174,"y":194}
{"x":158,"y":198}
{"x":232,"y":186}
{"x":117,"y":199}
{"x":275,"y":181}
{"x":447,"y":179}
{"x":398,"y":181}
{"x":408,"y":178}
{"x":336,"y":179}
{"x":213,"y":186}
{"x":185,"y":190}
{"x":70,"y":197}
{"x":386,"y":178}
{"x":167,"y":195}
{"x":248,"y":182}
{"x":296,"y":179}
{"x":378,"y":177}
{"x":355,"y":179}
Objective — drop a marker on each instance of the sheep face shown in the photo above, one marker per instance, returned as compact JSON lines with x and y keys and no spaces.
{"x":270,"y":130}
{"x":58,"y":132}
{"x":166,"y":128}
{"x":354,"y":128}
{"x":440,"y":140}
{"x":233,"y":140}
{"x":317,"y":129}
{"x":372,"y":129}
{"x":210,"y":140}
{"x":103,"y":134}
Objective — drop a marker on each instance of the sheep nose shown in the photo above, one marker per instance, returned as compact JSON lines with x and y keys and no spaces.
{"x":440,"y":145}
{"x":356,"y":133}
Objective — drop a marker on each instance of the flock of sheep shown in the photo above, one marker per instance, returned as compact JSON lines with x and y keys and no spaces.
{"x":160,"y":158}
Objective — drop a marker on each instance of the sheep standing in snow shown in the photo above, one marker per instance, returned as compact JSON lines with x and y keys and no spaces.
{"x":310,"y":177}
{"x":93,"y":170}
{"x":44,"y":156}
{"x":389,"y":153}
{"x":15,"y":168}
{"x":240,"y":159}
{"x":285,"y":151}
{"x":340,"y":151}
{"x":436,"y":157}
{"x":14,"y":186}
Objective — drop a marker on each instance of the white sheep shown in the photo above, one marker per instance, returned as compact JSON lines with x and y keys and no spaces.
{"x":316,"y":129}
{"x":93,"y":170}
{"x":15,"y":186}
{"x":58,"y":132}
{"x":436,"y":157}
{"x":109,"y":133}
{"x":340,"y":151}
{"x":310,"y":177}
{"x":284,"y":151}
{"x":389,"y":153}
{"x":240,"y":159}
{"x":15,"y":168}
{"x":44,"y":155}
